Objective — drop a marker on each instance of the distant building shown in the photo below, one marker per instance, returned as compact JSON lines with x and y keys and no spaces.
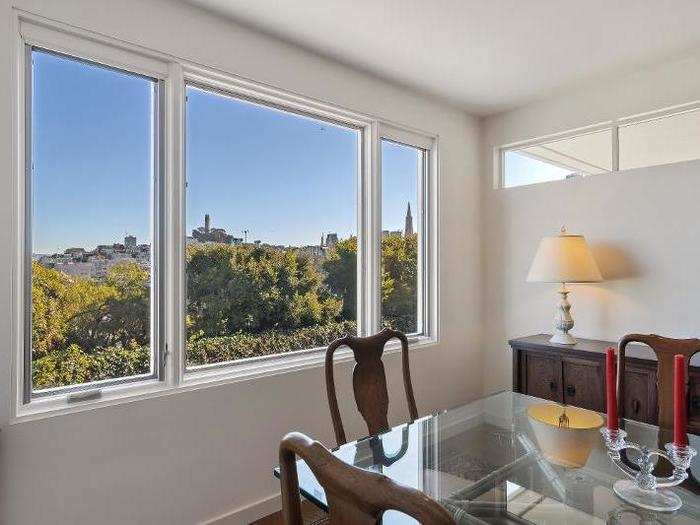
{"x":75,"y":253}
{"x":330,"y":241}
{"x":130,"y":242}
{"x":208,"y":234}
{"x":408,"y":228}
{"x":387,"y":233}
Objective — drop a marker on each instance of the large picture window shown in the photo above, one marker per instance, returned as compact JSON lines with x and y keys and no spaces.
{"x":90,"y":198}
{"x":177,"y":226}
{"x":271,"y":257}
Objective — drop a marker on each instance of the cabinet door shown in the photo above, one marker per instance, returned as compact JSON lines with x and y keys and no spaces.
{"x":542,"y":376}
{"x":640,"y":394}
{"x":584,"y":385}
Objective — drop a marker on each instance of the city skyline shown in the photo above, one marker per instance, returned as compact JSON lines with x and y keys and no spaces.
{"x":131,"y":241}
{"x":283,"y":177}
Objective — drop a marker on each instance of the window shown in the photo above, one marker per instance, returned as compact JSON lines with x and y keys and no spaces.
{"x":91,"y":191}
{"x":271,"y":259}
{"x":653,"y":139}
{"x":580,"y":155}
{"x":402,"y":174}
{"x":177,"y":226}
{"x":660,"y":140}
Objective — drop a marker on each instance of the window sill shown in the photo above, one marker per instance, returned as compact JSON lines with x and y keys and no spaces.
{"x":196,"y":380}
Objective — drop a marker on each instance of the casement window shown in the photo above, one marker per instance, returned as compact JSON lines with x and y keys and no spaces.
{"x":403,"y":257}
{"x":177,"y":226}
{"x":92,"y":191}
{"x":652,"y":139}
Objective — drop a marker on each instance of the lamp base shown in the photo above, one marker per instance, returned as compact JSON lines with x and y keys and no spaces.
{"x":563,"y":338}
{"x":563,"y":322}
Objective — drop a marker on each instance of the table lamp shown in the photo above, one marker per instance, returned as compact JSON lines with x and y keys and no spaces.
{"x":565,"y":258}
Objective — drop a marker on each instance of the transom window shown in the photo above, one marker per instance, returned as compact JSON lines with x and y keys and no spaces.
{"x":662,"y":137}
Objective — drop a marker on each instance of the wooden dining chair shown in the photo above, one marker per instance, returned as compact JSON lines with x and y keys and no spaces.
{"x":354,"y":496}
{"x":664,"y":348}
{"x":368,"y":381}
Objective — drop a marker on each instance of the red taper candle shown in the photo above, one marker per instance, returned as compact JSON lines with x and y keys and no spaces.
{"x":679,"y":435}
{"x":610,"y":388}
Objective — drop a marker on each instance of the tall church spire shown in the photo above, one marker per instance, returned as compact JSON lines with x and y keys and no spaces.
{"x":408,"y":228}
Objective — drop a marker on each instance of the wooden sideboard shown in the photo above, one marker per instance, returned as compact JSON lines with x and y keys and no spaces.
{"x":575,"y":375}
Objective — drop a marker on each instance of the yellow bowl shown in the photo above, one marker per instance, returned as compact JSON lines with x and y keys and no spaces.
{"x":569,"y":447}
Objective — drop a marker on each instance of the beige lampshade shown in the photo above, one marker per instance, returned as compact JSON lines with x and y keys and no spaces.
{"x":564,"y":259}
{"x":569,"y":446}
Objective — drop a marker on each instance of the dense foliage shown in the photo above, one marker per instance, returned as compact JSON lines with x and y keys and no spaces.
{"x":242,"y":301}
{"x":243,"y":345}
{"x":87,"y":330}
{"x":399,"y":279}
{"x":251,"y":288}
{"x":399,"y":282}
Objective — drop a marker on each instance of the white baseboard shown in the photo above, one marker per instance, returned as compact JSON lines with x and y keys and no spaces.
{"x":248,"y":513}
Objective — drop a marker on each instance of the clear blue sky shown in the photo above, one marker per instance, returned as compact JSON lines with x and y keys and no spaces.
{"x":521,"y":169}
{"x":284,"y":177}
{"x":92,"y":155}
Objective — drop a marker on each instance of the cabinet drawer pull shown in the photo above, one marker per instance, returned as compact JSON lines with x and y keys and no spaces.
{"x":695,"y":402}
{"x":636,"y":405}
{"x":570,"y":390}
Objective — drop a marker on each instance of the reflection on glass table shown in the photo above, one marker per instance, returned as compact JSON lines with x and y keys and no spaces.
{"x":483,"y":463}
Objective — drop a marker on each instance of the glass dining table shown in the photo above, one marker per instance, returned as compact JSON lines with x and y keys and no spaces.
{"x":482,"y":461}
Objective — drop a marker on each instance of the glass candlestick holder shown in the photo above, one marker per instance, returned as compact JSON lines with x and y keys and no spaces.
{"x":643,"y":489}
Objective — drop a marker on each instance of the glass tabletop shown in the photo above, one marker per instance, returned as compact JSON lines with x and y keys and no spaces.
{"x":486,"y":463}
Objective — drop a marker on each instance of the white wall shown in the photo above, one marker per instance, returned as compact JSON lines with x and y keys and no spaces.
{"x":642,"y":225}
{"x":193,"y":456}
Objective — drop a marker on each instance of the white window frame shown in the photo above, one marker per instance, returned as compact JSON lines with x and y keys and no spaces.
{"x":426,"y":220}
{"x":612,"y":125}
{"x":249,"y":92}
{"x":174,"y":74}
{"x":157,"y":342}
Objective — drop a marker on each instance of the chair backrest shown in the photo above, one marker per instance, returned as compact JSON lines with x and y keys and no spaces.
{"x":368,"y":381}
{"x":354,"y":496}
{"x":664,"y":348}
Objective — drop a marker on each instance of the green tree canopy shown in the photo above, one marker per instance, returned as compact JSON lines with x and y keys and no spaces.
{"x":86,"y":330}
{"x":341,"y":274}
{"x":399,"y":279}
{"x":254,"y":288}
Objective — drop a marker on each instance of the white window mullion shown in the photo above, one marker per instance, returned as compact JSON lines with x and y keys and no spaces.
{"x":373,"y":239}
{"x":615,"y":148}
{"x":175,"y":230}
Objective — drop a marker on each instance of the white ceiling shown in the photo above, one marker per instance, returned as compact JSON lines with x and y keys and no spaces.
{"x":484,"y":55}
